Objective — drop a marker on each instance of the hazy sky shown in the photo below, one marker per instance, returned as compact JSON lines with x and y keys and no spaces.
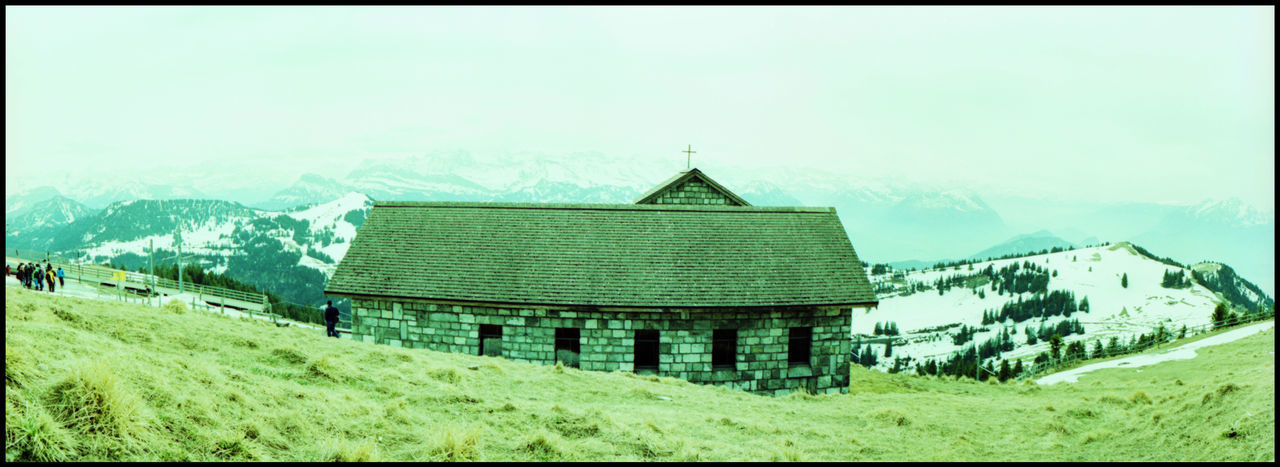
{"x":1171,"y":104}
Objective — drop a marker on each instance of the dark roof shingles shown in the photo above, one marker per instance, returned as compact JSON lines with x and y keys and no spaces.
{"x":604,"y":255}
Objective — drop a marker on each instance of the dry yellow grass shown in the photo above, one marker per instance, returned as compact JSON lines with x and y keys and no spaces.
{"x":90,"y":380}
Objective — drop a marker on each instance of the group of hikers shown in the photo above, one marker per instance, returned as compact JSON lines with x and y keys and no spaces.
{"x":36,"y":276}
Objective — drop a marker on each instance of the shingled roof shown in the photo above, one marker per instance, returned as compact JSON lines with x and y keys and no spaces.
{"x":681,"y":178}
{"x":604,"y":255}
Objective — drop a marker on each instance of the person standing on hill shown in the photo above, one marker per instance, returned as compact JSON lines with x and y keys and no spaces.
{"x":52,"y":277}
{"x":61,"y":278}
{"x":331,"y":320}
{"x":22,"y":267}
{"x":38,"y":279}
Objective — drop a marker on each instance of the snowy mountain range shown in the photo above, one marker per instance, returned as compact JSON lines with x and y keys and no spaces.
{"x":887,"y":220}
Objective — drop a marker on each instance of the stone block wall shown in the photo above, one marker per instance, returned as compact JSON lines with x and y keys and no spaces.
{"x":607,"y":339}
{"x":693,"y":191}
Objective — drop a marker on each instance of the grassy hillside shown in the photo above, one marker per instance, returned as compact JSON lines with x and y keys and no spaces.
{"x":89,"y":380}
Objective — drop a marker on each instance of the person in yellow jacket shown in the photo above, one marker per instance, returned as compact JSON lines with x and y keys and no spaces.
{"x":52,"y":276}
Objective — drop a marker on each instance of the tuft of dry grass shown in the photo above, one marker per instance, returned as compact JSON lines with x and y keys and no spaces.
{"x":455,"y":444}
{"x":93,"y":400}
{"x":544,"y":446}
{"x":32,"y":434}
{"x":176,"y":307}
{"x":364,"y":451}
{"x":18,"y":368}
{"x":327,"y":368}
{"x":1140,"y":397}
{"x":447,"y":375}
{"x":289,"y":354}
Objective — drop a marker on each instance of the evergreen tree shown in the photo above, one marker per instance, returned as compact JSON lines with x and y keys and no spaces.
{"x":888,"y":349}
{"x":1124,"y":280}
{"x":1031,"y":335}
{"x":1084,"y":304}
{"x":981,"y":294}
{"x":1098,"y":352}
{"x":1219,"y":316}
{"x":877,"y":331}
{"x":1005,"y":371}
{"x":1017,"y":367}
{"x":1055,"y":345}
{"x":1113,"y":346}
{"x":1182,"y":332}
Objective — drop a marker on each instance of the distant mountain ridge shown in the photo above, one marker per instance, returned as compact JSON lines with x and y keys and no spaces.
{"x":887,"y":221}
{"x":1026,"y":243}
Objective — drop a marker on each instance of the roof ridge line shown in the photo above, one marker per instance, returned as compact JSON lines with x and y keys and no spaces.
{"x":604,"y":206}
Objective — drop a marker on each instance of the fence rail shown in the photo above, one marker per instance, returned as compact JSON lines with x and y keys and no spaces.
{"x":147,"y":283}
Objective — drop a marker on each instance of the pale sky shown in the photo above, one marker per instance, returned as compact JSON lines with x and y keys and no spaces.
{"x":1155,"y":104}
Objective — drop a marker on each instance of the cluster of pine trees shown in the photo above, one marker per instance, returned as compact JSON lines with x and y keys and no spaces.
{"x":943,"y":284}
{"x":1055,"y":303}
{"x":1033,"y":278}
{"x":1063,"y":328}
{"x":965,"y":334}
{"x":965,"y":363}
{"x":865,"y":356}
{"x":1223,"y":317}
{"x":889,"y":328}
{"x":1175,"y":279}
{"x":1144,"y":252}
{"x":992,"y":347}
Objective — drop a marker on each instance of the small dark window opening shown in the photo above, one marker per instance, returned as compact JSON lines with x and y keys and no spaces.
{"x":491,"y":340}
{"x":724,"y":348}
{"x":799,"y":346}
{"x":646,"y":350}
{"x":568,"y":345}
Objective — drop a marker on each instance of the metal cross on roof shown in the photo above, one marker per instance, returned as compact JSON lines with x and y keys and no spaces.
{"x":688,"y":155}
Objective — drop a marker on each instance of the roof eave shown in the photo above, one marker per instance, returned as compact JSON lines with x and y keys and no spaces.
{"x":872,"y":303}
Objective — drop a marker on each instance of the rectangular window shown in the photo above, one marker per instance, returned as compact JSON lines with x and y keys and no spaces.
{"x":724,"y":348}
{"x":798,"y":346}
{"x":491,"y":340}
{"x":567,"y":345}
{"x":646,"y":350}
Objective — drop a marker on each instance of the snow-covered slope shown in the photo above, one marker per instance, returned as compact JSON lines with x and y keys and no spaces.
{"x":337,"y":220}
{"x":214,"y":231}
{"x":1094,"y":273}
